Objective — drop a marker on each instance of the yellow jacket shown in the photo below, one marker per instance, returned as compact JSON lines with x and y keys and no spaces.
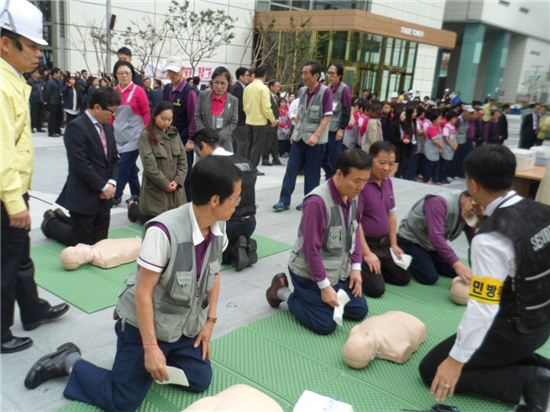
{"x":16,"y":152}
{"x":257,"y":104}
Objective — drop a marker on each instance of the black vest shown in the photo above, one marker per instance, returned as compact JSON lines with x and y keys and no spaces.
{"x":525,"y":299}
{"x":181,"y":121}
{"x":247,"y":207}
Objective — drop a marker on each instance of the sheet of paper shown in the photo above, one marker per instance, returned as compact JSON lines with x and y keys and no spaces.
{"x":175,"y":377}
{"x":404,"y":262}
{"x":343,"y":299}
{"x":313,"y":402}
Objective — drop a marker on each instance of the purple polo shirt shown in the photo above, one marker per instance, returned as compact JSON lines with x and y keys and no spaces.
{"x":190,"y":105}
{"x":376,"y":202}
{"x":314,"y":225}
{"x":327,"y":99}
{"x":345,"y":97}
{"x":435,"y":210}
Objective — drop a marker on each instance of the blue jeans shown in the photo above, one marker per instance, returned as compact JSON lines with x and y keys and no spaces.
{"x":127,"y":173}
{"x":426,"y":265}
{"x":332,"y":153}
{"x":125,"y":386}
{"x":444,"y":169}
{"x":302,"y":156}
{"x":306,"y":305}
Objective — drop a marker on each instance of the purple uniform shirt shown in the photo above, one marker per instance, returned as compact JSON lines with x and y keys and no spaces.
{"x":190,"y":105}
{"x":327,"y":99}
{"x":345,"y":97}
{"x":314,"y":225}
{"x":375,"y":205}
{"x":435,"y":210}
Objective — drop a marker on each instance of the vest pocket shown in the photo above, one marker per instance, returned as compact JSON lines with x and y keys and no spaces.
{"x":335,"y":237}
{"x":182,"y":287}
{"x":315,"y":113}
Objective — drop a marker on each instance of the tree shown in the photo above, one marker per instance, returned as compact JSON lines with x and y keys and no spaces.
{"x":97,"y":33}
{"x":265,"y":45}
{"x":199,"y":34}
{"x":147,"y":42}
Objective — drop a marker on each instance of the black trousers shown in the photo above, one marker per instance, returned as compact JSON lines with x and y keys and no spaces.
{"x":37,"y":116}
{"x":17,"y":277}
{"x":272,"y":144}
{"x":375,"y":285}
{"x":88,"y":229}
{"x":503,"y":365}
{"x":256,"y":143}
{"x":55,"y":118}
{"x":240,"y":141}
{"x":235,"y":228}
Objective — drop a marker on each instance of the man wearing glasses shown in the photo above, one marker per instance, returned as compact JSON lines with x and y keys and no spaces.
{"x":20,"y":40}
{"x":93,"y":168}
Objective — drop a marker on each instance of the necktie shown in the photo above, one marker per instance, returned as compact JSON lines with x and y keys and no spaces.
{"x":102,"y":137}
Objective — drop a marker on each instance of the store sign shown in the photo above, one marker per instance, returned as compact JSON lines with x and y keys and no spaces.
{"x":412,"y":32}
{"x":205,"y":73}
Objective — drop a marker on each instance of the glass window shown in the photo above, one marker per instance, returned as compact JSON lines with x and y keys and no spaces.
{"x":280,"y":5}
{"x":388,"y":52}
{"x":384,"y":86}
{"x":372,"y":47}
{"x":263,"y":5}
{"x":398,"y":53}
{"x":323,"y":43}
{"x":300,"y":4}
{"x":339,"y":43}
{"x":355,"y":42}
{"x":411,"y":58}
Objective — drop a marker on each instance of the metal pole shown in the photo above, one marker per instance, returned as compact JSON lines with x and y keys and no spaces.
{"x":108,"y":27}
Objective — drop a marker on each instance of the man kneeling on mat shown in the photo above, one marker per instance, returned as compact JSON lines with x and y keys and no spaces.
{"x":167,"y":312}
{"x":327,"y":255}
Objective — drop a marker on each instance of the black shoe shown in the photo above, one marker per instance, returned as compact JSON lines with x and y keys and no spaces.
{"x":258,"y":173}
{"x":54,"y":135}
{"x":50,"y":366}
{"x":40,"y":131}
{"x":277,"y":163}
{"x":266,"y":163}
{"x":48,"y":216}
{"x":252,"y":252}
{"x":49,"y":314}
{"x":241,"y":253}
{"x":16,"y":344}
{"x":60,"y":214}
{"x":300,"y":207}
{"x":537,"y":393}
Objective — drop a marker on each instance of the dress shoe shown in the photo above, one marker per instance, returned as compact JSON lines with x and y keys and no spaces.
{"x":280,"y":207}
{"x":49,"y":314}
{"x":54,"y":135}
{"x":537,"y":393}
{"x":60,"y":214}
{"x":279,"y":281}
{"x":50,"y":366}
{"x":241,"y":253}
{"x":267,"y":163}
{"x":258,"y":173}
{"x":252,"y":249}
{"x":48,"y":216}
{"x":16,"y":344}
{"x":300,"y":207}
{"x":277,"y":163}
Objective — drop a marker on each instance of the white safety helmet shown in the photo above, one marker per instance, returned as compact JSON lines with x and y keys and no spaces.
{"x":23,"y":18}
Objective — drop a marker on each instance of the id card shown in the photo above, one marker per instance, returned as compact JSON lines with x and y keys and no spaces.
{"x":218,"y":122}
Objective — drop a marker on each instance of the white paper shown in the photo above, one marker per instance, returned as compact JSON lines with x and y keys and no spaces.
{"x":176,"y":376}
{"x":313,"y":402}
{"x":404,"y":262}
{"x":343,"y":299}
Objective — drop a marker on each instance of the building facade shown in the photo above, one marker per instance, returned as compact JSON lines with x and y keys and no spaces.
{"x":503,"y":50}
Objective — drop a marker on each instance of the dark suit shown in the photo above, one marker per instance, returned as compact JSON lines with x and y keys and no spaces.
{"x":502,"y":128}
{"x":528,"y":133}
{"x":272,"y":144}
{"x":240,"y":134}
{"x":36,"y":103}
{"x":89,"y":171}
{"x":53,"y":96}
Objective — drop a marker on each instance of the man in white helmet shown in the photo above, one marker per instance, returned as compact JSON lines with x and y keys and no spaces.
{"x":20,"y":40}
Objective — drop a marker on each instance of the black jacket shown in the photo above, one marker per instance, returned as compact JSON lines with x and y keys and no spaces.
{"x":237,"y":90}
{"x":37,"y":92}
{"x":53,"y":94}
{"x":89,"y":168}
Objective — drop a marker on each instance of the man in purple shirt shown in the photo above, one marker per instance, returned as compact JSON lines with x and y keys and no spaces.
{"x":327,"y":255}
{"x":379,"y":225}
{"x":425,"y":234}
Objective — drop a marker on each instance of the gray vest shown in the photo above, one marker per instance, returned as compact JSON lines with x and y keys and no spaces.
{"x":180,"y":300}
{"x":413,"y":227}
{"x":461,"y":130}
{"x":338,"y":243}
{"x":310,"y":116}
{"x":128,"y":126}
{"x":336,"y":108}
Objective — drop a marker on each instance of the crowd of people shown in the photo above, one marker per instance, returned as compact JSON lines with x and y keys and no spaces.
{"x":200,"y":213}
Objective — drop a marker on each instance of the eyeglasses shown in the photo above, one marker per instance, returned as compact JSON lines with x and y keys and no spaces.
{"x":109,"y":110}
{"x":123,"y":73}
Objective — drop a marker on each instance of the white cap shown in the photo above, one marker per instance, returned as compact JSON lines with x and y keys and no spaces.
{"x":394,"y":95}
{"x":23,"y":18}
{"x":469,"y":109}
{"x":174,"y":64}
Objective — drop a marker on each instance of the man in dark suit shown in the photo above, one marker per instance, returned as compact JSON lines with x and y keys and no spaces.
{"x":529,"y":128}
{"x":53,"y":100}
{"x":502,"y":124}
{"x":272,"y":146}
{"x":93,"y":169}
{"x":36,"y":100}
{"x":240,"y":134}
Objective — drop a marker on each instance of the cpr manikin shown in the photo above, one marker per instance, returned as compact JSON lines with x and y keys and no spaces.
{"x":105,"y":254}
{"x":236,"y":398}
{"x":460,"y":291}
{"x":393,"y":336}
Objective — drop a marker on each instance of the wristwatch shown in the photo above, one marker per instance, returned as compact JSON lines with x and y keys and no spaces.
{"x":212,"y":319}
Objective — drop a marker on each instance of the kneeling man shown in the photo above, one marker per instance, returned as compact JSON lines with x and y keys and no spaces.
{"x":167,"y":312}
{"x":327,"y":255}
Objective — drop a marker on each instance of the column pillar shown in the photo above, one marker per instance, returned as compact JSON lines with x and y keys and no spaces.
{"x":470,"y":57}
{"x":498,"y":55}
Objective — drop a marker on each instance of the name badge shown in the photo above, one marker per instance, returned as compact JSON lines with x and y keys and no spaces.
{"x":218,"y":121}
{"x":334,"y":105}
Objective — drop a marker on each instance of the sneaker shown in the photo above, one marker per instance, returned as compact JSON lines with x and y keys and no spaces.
{"x":280,"y":207}
{"x":252,"y":252}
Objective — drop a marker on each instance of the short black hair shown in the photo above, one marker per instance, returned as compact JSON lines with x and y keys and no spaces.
{"x":196,"y":80}
{"x":14,"y":37}
{"x":272,"y":82}
{"x":105,"y":97}
{"x":451,"y":115}
{"x":315,"y":68}
{"x":492,"y":166}
{"x":222,"y":71}
{"x":124,"y":63}
{"x":259,"y":71}
{"x":339,"y":69}
{"x":382,"y":146}
{"x":83,"y":71}
{"x":353,"y":158}
{"x":55,"y":70}
{"x":211,"y":176}
{"x":241,"y":71}
{"x":505,"y":106}
{"x":206,"y":136}
{"x":124,"y":50}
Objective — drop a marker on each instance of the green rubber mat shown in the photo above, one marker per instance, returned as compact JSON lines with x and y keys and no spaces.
{"x":92,"y":289}
{"x":282,"y":358}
